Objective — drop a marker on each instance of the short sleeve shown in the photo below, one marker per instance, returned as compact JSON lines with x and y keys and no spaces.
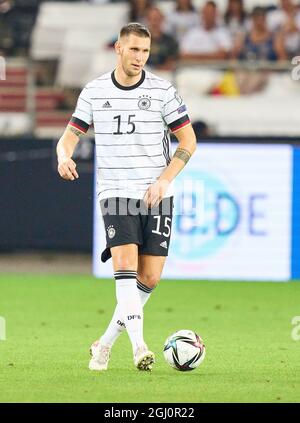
{"x":174,"y":110}
{"x":83,"y":116}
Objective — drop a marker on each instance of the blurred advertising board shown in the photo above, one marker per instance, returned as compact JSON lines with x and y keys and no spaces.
{"x":232,"y":215}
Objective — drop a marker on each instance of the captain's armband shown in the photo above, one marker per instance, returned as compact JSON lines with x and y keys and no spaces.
{"x":78,"y":127}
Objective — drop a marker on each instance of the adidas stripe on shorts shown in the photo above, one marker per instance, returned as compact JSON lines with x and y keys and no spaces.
{"x":128,"y":221}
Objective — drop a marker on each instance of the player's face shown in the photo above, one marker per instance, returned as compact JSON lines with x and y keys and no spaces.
{"x":133,"y":53}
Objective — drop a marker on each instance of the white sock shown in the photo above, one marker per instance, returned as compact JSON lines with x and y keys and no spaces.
{"x":130,"y":305}
{"x":117,"y":325}
{"x":144,"y":292}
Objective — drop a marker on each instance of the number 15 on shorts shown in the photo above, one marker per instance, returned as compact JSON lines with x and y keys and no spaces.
{"x":166,"y":227}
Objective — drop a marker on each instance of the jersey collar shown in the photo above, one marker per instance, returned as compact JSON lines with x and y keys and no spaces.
{"x":130,"y":87}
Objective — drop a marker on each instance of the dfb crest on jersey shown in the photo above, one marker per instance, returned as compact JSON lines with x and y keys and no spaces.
{"x":111,"y":231}
{"x":178,"y":98}
{"x":144,"y":102}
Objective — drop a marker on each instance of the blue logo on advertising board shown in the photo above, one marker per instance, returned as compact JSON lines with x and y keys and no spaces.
{"x":205,"y":219}
{"x":212,"y":217}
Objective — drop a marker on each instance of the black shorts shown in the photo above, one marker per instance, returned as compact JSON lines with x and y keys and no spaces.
{"x":129,"y":221}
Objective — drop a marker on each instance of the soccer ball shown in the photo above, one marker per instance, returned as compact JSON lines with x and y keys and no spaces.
{"x":184,"y":350}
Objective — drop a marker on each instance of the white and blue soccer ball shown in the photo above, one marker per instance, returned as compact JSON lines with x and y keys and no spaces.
{"x":184,"y":350}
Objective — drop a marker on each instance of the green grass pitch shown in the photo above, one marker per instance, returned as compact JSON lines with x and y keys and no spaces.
{"x":52,"y":320}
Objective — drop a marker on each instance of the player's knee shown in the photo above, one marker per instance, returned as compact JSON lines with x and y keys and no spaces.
{"x":150,"y":280}
{"x":125,"y":263}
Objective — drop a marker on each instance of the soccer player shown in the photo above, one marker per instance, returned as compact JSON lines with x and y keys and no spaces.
{"x":132,"y":111}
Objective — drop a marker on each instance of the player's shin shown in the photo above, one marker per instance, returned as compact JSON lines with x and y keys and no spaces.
{"x":117,"y":325}
{"x":130,"y":305}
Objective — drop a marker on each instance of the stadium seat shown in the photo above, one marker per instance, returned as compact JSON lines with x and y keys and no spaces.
{"x":48,"y":99}
{"x":13,"y":89}
{"x":15,"y":77}
{"x":57,"y":18}
{"x":51,"y":123}
{"x":79,"y":48}
{"x":196,"y":80}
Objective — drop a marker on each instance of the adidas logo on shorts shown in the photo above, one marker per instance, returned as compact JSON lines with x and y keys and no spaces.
{"x":164,"y":244}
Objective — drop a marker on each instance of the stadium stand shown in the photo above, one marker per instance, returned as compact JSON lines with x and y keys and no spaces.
{"x":64,"y":44}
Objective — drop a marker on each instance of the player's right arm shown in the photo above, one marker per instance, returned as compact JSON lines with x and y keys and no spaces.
{"x":65,"y":149}
{"x":78,"y":126}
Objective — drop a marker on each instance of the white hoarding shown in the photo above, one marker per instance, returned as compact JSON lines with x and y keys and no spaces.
{"x":232,"y":216}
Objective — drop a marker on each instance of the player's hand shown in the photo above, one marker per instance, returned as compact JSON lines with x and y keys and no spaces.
{"x":67,"y":169}
{"x":155,"y":193}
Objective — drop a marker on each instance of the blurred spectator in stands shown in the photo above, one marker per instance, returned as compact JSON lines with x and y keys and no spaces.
{"x":286,"y":12}
{"x":164,"y":48}
{"x":209,"y":41}
{"x":258,"y":43}
{"x":288,"y":40}
{"x":6,"y":28}
{"x":202,"y":130}
{"x":286,"y":21}
{"x":136,"y":13}
{"x":17,"y":19}
{"x":138,"y":9}
{"x":45,"y":72}
{"x":235,"y":17}
{"x":183,"y":18}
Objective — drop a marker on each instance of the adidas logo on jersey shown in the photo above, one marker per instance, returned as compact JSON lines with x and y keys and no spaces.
{"x":164,"y":244}
{"x":106,"y":105}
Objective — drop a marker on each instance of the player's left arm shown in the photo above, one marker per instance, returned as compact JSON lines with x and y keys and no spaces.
{"x":187,"y":146}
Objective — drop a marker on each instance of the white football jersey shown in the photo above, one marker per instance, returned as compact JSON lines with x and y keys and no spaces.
{"x":131,"y":126}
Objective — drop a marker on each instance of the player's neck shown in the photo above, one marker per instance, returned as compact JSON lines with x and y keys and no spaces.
{"x":124,"y":79}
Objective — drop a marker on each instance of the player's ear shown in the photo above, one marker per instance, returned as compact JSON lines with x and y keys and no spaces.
{"x":118,"y":47}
